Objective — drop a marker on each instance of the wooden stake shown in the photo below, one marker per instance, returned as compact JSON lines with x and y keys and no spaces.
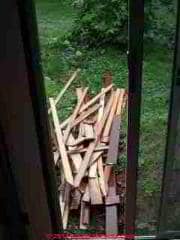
{"x":95,"y":193}
{"x":64,"y":158}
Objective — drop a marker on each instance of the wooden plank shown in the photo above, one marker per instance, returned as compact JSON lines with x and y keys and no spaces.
{"x":95,"y":192}
{"x":93,"y":167}
{"x":111,"y":115}
{"x":79,"y":141}
{"x":84,"y":216}
{"x":89,"y":131}
{"x":76,"y":199}
{"x":67,"y":206}
{"x":96,"y":98}
{"x":74,"y":115}
{"x":120,"y":103}
{"x":113,"y":151}
{"x":86,"y":114}
{"x":88,"y":104}
{"x":76,"y":158}
{"x":61,"y":94}
{"x":64,"y":158}
{"x":92,"y":145}
{"x":99,"y":148}
{"x":101,"y":176}
{"x":86,"y":195}
{"x":111,"y":208}
{"x":107,"y":174}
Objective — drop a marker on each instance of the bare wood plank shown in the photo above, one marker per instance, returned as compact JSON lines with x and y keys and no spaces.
{"x":89,"y":131}
{"x":99,"y":148}
{"x":76,"y":158}
{"x":60,"y":95}
{"x":79,"y":141}
{"x":95,"y":193}
{"x":76,"y":199}
{"x":92,"y":146}
{"x":96,"y":98}
{"x":101,"y":176}
{"x":74,"y":115}
{"x":86,"y":114}
{"x":86,"y":195}
{"x":120,"y":103}
{"x":88,"y":104}
{"x":84,"y":215}
{"x":64,"y":158}
{"x":111,"y":115}
{"x":93,"y":167}
{"x":111,"y":207}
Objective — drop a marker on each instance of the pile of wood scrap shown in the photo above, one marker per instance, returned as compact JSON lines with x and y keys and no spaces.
{"x":86,"y":148}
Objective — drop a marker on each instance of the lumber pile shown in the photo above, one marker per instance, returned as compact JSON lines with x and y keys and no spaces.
{"x":86,"y":147}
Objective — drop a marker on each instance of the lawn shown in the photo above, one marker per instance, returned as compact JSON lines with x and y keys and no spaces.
{"x":59,"y":59}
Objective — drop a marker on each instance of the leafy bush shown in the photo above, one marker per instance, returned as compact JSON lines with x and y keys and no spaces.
{"x":100,"y":22}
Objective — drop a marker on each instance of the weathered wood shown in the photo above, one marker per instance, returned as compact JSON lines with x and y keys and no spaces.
{"x":113,"y":151}
{"x":74,"y":115}
{"x":86,"y":195}
{"x":120,"y":103}
{"x":84,"y":216}
{"x":88,"y":104}
{"x":76,"y":158}
{"x":82,"y":150}
{"x":92,"y":146}
{"x":64,"y":158}
{"x":76,"y":199}
{"x":111,"y":115}
{"x":80,"y":140}
{"x":111,"y":208}
{"x":101,"y":176}
{"x":96,"y":98}
{"x":60,"y":95}
{"x":95,"y":192}
{"x":86,"y":114}
{"x":89,"y":131}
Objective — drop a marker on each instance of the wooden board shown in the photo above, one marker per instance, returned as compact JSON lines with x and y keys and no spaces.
{"x":61,"y":94}
{"x":111,"y":115}
{"x":74,"y":115}
{"x":64,"y":158}
{"x":92,"y":146}
{"x":95,"y":192}
{"x":111,"y":209}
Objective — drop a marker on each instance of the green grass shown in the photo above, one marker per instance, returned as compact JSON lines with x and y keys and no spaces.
{"x":60,"y":59}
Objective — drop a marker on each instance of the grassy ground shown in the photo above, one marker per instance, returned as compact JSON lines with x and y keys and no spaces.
{"x":55,"y":20}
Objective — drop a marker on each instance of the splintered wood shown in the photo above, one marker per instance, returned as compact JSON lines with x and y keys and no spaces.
{"x":86,"y":146}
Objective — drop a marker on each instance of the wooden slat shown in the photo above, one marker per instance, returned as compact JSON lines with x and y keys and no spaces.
{"x":92,"y":146}
{"x":95,"y":192}
{"x":113,"y":151}
{"x":76,"y":158}
{"x":84,"y":215}
{"x":121,"y":101}
{"x":101,"y":176}
{"x":76,"y":199}
{"x":86,"y":195}
{"x":88,"y":104}
{"x":96,"y":98}
{"x":79,"y":141}
{"x":64,"y":158}
{"x":111,"y":115}
{"x":111,"y":208}
{"x":99,"y":148}
{"x":61,"y":94}
{"x":89,"y":131}
{"x":74,"y":115}
{"x":86,"y":114}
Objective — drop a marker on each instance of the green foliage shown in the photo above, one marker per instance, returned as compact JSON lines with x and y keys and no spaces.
{"x":101,"y":22}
